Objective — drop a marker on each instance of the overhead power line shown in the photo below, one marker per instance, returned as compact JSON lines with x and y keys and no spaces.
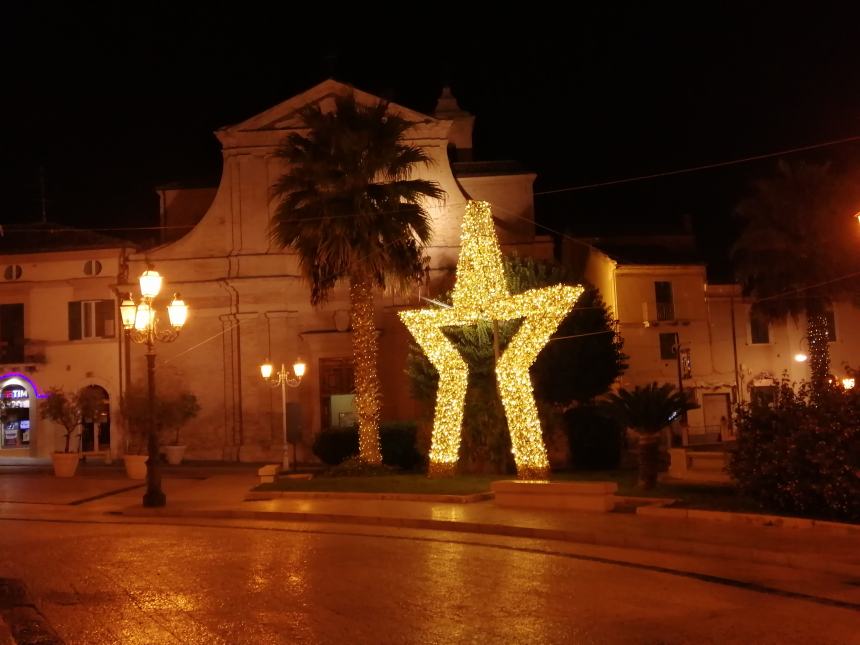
{"x":682,"y":171}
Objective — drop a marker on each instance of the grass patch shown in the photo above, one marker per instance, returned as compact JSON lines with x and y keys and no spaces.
{"x":691,"y":496}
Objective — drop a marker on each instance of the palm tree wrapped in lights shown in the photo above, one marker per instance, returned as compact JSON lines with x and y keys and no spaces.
{"x":349,"y":208}
{"x":141,"y":324}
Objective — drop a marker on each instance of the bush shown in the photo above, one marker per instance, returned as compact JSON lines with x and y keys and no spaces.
{"x":595,"y":440}
{"x":336,"y":445}
{"x":802,"y":455}
{"x":397,"y":441}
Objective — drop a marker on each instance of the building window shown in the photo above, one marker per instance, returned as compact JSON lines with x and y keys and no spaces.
{"x":11,"y":333}
{"x":92,"y":319}
{"x":92,"y":267}
{"x":665,"y":304}
{"x":13,"y":272}
{"x":667,"y":346}
{"x":831,"y":325}
{"x":759,"y":329}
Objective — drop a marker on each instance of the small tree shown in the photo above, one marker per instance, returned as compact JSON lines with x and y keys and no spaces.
{"x":647,"y":410}
{"x":170,"y":414}
{"x":69,"y":410}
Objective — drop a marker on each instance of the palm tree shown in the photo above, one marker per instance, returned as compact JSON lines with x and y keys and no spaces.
{"x":647,"y":410}
{"x":799,"y":250}
{"x":349,"y":207}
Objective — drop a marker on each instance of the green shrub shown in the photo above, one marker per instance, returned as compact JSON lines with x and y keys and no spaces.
{"x":595,"y":440}
{"x":397,"y":441}
{"x":336,"y":445}
{"x":802,"y":455}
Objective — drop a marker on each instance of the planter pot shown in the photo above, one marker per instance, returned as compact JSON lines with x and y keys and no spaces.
{"x":174,"y":454}
{"x":135,"y":466}
{"x":65,"y":463}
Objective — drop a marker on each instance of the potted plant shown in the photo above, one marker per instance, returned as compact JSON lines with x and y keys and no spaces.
{"x":173,"y":414}
{"x":170,"y":414}
{"x":68,"y":410}
{"x":134,"y":407}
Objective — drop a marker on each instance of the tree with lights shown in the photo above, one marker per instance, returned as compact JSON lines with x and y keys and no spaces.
{"x":582,"y":364}
{"x":348,"y":205}
{"x":800,"y":250}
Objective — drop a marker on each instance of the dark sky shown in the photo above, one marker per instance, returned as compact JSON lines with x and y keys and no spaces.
{"x":114,"y":99}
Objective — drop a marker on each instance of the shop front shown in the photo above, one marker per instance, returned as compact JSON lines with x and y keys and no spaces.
{"x":17,"y":412}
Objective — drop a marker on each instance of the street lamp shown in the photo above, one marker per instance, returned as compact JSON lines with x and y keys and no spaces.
{"x":141,"y":323}
{"x":283,"y":379}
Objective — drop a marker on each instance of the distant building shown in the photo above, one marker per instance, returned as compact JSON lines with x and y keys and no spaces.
{"x":58,"y":327}
{"x":678,"y":328}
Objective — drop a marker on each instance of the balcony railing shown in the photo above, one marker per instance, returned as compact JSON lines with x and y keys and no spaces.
{"x":665,"y":311}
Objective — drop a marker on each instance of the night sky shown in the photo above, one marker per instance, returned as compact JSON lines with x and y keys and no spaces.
{"x":112,"y":100}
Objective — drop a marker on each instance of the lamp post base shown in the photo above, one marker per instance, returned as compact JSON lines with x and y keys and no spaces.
{"x":154,"y":499}
{"x":285,"y":462}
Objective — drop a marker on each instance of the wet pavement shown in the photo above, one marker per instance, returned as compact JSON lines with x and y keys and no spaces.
{"x":233,"y":575}
{"x":230,"y":584}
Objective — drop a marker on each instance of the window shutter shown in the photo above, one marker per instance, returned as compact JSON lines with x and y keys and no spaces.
{"x":75,"y":320}
{"x":105,"y":316}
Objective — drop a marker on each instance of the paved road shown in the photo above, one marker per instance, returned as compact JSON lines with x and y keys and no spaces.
{"x":151,"y":583}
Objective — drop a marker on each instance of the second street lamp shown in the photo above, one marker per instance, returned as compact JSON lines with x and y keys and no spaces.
{"x":141,"y":324}
{"x":283,"y":379}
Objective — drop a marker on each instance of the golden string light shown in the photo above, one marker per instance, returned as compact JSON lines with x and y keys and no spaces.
{"x":367,"y":391}
{"x":481,"y":293}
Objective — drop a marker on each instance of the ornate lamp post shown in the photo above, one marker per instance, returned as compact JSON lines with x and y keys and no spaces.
{"x":142,"y":325}
{"x":283,"y":379}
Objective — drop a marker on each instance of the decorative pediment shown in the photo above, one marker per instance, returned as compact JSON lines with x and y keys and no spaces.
{"x":272,"y":124}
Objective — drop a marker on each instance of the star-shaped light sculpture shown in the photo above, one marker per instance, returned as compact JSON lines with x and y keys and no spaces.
{"x":481,"y":293}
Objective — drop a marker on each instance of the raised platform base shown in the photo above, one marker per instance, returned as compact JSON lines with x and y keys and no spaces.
{"x":574,"y":496}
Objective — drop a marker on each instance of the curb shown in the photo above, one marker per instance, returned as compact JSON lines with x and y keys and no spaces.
{"x":755,"y":519}
{"x":674,"y":545}
{"x":259,"y":496}
{"x":21,"y":623}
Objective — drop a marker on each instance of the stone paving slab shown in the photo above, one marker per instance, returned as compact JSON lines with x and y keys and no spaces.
{"x":46,"y":489}
{"x":221,"y":497}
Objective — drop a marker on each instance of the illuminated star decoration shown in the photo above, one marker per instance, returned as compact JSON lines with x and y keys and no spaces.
{"x":481,"y":293}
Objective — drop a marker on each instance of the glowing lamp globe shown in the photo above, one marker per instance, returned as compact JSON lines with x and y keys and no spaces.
{"x":800,"y":357}
{"x":127,"y":311}
{"x":177,"y":311}
{"x":144,"y":318}
{"x":150,"y":283}
{"x":266,"y":370}
{"x":299,"y":368}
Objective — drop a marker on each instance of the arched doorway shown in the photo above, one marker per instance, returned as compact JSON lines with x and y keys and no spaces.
{"x":95,"y":426}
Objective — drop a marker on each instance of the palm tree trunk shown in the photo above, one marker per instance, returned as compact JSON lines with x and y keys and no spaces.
{"x":819,"y":348}
{"x":649,"y":457}
{"x":364,"y":352}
